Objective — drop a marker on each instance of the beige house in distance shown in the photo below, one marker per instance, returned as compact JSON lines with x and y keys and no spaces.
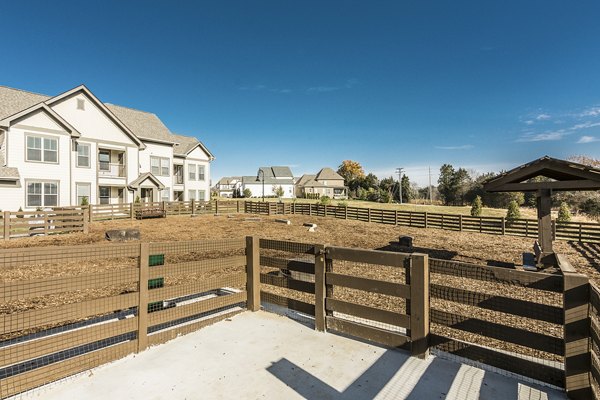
{"x":326,"y":182}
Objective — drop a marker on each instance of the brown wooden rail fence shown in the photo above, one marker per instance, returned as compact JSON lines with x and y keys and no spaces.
{"x":30,"y":223}
{"x":66,"y":309}
{"x":579,"y":231}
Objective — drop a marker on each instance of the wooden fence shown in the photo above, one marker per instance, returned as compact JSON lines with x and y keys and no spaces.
{"x":579,"y":231}
{"x":31,"y":223}
{"x":53,"y":327}
{"x":66,"y":309}
{"x":595,"y":339}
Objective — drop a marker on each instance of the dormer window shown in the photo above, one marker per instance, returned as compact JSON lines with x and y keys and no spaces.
{"x":80,"y":104}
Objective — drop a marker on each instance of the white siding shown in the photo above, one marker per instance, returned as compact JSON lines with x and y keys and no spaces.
{"x":37,"y":171}
{"x":158,"y":150}
{"x":90,"y":122}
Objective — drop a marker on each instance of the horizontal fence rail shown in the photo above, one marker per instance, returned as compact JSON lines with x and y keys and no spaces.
{"x":32,"y":223}
{"x":60,"y":315}
{"x":66,"y":309}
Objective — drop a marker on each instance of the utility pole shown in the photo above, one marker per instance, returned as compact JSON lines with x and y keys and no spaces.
{"x":430,"y":191}
{"x":399,"y":172}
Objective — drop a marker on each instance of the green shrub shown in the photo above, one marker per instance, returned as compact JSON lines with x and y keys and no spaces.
{"x":564,"y":214}
{"x":20,"y":210}
{"x":476,"y":207}
{"x":325,"y":200}
{"x":513,"y":212}
{"x":137,"y":199}
{"x":84,"y":201}
{"x":247,"y":193}
{"x":342,"y":204}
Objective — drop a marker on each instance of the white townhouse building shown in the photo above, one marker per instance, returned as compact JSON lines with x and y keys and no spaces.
{"x":54,"y":151}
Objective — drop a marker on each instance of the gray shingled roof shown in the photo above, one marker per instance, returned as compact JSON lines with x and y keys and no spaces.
{"x":327,"y":174}
{"x":143,"y":124}
{"x":183,"y":144}
{"x":13,"y":101}
{"x":227,"y":179}
{"x":146,"y":175}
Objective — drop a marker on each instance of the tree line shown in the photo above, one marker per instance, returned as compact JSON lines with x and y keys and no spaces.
{"x":459,"y":187}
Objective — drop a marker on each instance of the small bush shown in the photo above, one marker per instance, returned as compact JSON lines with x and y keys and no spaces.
{"x":476,"y":207}
{"x":325,"y":200}
{"x":247,"y":193}
{"x":342,"y":204}
{"x":84,"y":201}
{"x":137,"y":199}
{"x":20,"y":210}
{"x":513,"y":212}
{"x":564,"y":214}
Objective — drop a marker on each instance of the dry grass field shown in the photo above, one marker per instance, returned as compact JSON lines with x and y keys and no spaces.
{"x":483,"y":249}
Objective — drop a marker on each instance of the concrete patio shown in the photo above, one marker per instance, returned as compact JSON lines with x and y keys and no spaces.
{"x":264,"y":355}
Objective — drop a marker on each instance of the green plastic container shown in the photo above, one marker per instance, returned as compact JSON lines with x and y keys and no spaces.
{"x":156,"y":259}
{"x":155,"y":306}
{"x":156,"y":283}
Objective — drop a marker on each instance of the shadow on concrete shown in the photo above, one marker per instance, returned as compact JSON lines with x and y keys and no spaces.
{"x":396,"y":375}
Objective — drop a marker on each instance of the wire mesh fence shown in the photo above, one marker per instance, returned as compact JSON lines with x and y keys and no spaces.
{"x":65,"y":310}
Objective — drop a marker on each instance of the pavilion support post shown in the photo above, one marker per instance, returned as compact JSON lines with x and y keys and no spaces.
{"x":544,"y":205}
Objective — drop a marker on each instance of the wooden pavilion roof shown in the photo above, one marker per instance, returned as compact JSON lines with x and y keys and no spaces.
{"x":564,"y":175}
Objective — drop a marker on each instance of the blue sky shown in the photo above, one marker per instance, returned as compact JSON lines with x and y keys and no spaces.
{"x":480,"y":84}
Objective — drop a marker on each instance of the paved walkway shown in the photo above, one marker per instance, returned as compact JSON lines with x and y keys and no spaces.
{"x":266,"y":356}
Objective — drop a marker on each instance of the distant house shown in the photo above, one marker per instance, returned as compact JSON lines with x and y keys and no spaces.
{"x":326,"y":182}
{"x":227,"y":186}
{"x":272,"y":177}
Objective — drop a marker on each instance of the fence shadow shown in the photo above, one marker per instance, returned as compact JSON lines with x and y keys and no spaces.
{"x":396,"y":375}
{"x":589,"y":251}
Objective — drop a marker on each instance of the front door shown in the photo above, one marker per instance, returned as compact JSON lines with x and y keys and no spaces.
{"x":147,"y":195}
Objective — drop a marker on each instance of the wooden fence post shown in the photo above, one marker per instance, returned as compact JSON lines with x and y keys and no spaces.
{"x":193,"y":207}
{"x":309,"y":209}
{"x":238,"y":206}
{"x":320,"y":288}
{"x":460,"y":222}
{"x":576,"y":299}
{"x":253,"y":271}
{"x":143,"y":299}
{"x":346,"y":212}
{"x":216,"y":207}
{"x":395,"y":217}
{"x":425,"y":219}
{"x":369,"y":214}
{"x":86,"y":222}
{"x":131,"y":210}
{"x":503,"y":225}
{"x":6,"y":225}
{"x":91,"y":212}
{"x":419,"y":305}
{"x":325,"y":208}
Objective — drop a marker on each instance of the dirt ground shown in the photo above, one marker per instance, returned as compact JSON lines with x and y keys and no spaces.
{"x":471,"y":247}
{"x":483,"y":249}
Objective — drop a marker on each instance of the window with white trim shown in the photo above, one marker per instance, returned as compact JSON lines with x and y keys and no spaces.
{"x":200,"y":172}
{"x":192,"y":172}
{"x":160,"y":166}
{"x":201,"y":194}
{"x":42,"y":194}
{"x":165,"y":194}
{"x":83,"y":190}
{"x":42,"y":149}
{"x":83,"y":155}
{"x":191,"y":195}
